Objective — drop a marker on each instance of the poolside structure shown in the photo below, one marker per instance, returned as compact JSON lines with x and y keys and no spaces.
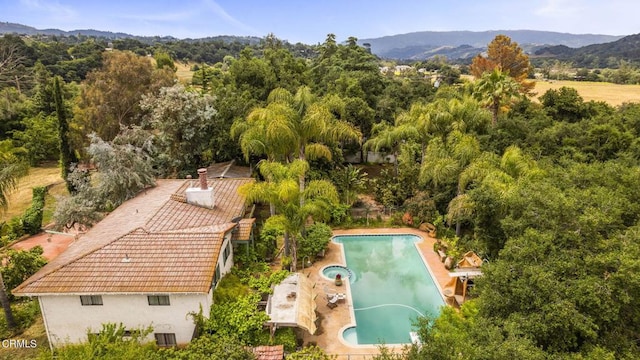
{"x":462,"y":276}
{"x":292,"y":304}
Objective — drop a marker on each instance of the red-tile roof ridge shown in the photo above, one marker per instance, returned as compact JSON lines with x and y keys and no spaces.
{"x":104,"y":232}
{"x":269,"y":352}
{"x":193,"y":283}
{"x":157,"y":205}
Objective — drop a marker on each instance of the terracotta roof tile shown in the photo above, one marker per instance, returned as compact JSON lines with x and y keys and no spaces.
{"x":269,"y":352}
{"x":243,"y":233}
{"x":139,"y":262}
{"x":172,"y":246}
{"x":175,"y":215}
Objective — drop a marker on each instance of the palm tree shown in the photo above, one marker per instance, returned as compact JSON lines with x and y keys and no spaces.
{"x":349,"y":181}
{"x":498,"y":173}
{"x":386,"y":136}
{"x":294,"y":207}
{"x":496,"y":89}
{"x":444,"y":162}
{"x":294,"y":126}
{"x":10,"y":171}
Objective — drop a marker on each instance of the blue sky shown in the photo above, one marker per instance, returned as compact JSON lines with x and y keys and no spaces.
{"x":310,"y":21}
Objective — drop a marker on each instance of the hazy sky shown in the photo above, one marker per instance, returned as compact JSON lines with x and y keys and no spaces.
{"x":310,"y":21}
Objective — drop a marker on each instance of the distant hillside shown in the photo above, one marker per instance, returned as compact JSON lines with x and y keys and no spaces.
{"x":464,"y":44}
{"x":6,"y":27}
{"x":626,"y":48}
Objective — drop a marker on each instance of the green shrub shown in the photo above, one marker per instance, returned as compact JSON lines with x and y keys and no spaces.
{"x":317,"y":238}
{"x":230,"y":288}
{"x":14,"y":228}
{"x":263,"y":283}
{"x":25,"y":313}
{"x":286,"y":337}
{"x":20,"y":264}
{"x":340,"y":214}
{"x":32,"y":217}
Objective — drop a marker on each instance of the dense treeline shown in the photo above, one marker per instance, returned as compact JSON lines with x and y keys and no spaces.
{"x":547,"y":191}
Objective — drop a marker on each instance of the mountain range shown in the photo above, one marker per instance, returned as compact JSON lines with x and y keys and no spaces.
{"x":465,"y":44}
{"x":454,"y":45}
{"x":6,"y":27}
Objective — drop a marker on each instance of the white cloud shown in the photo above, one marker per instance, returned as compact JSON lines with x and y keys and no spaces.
{"x":53,"y":9}
{"x":220,"y":12}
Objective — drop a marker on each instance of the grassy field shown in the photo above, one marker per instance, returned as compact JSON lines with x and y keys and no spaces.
{"x":184,"y":72}
{"x":20,"y":199}
{"x":612,"y":94}
{"x":34,"y":332}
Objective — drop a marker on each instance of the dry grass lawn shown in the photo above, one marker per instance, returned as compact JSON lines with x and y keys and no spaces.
{"x":20,"y":198}
{"x":613,"y":94}
{"x":184,"y":72}
{"x":34,"y":332}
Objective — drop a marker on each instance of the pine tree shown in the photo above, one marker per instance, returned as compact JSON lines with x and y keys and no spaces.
{"x":67,"y":155}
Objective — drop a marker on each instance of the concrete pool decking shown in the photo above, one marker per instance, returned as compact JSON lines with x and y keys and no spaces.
{"x":333,"y":321}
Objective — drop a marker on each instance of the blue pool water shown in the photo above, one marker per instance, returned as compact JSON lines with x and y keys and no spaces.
{"x":392,"y":287}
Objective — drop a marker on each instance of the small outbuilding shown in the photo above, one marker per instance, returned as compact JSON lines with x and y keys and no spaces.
{"x":292,"y":304}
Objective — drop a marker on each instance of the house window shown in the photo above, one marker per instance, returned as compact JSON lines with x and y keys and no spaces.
{"x":165,"y":339}
{"x":216,"y":277}
{"x":227,"y":252}
{"x":158,"y":300}
{"x":130,"y":333}
{"x":86,"y":300}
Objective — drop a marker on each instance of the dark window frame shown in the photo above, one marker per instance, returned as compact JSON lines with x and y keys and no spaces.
{"x":227,"y":253}
{"x":91,"y":300}
{"x":165,"y":339}
{"x":158,"y":300}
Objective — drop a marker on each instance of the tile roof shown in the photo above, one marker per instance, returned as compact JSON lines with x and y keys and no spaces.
{"x":137,"y":262}
{"x":269,"y":352}
{"x":243,"y":233}
{"x":175,"y":215}
{"x":228,"y":170}
{"x":172,"y":246}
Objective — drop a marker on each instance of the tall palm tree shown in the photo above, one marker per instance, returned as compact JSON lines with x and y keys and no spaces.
{"x":498,"y":173}
{"x":386,"y":136}
{"x":11,"y":169}
{"x":295,"y":126}
{"x":293,"y":206}
{"x":444,"y":162}
{"x":495,"y":89}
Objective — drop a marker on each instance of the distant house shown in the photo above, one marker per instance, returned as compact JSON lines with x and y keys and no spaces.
{"x":151,"y":262}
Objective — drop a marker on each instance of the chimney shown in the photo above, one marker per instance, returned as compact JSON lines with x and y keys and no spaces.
{"x":202,"y":175}
{"x":201,"y":195}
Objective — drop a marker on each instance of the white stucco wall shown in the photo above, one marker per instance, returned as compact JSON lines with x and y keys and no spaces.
{"x":67,"y":320}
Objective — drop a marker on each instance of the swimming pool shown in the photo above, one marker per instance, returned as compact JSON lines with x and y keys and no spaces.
{"x":392,"y":287}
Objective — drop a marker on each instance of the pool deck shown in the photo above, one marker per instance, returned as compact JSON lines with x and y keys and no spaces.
{"x":333,"y":321}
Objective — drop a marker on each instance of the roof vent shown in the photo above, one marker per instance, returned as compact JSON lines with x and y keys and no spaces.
{"x":126,"y":258}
